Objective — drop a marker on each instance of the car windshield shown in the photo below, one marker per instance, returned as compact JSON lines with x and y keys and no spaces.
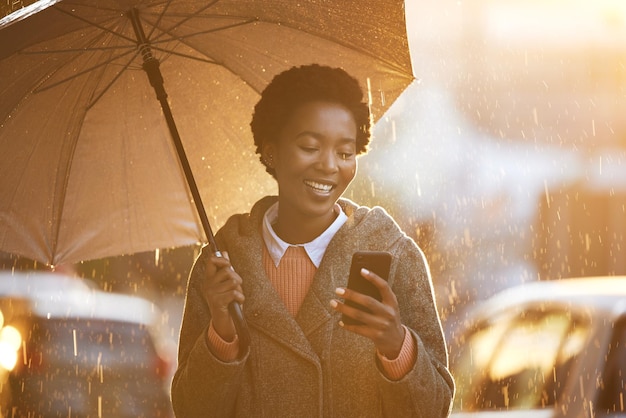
{"x":518,"y":361}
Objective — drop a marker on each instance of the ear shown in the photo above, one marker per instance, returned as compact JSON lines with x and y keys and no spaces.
{"x":268,"y":154}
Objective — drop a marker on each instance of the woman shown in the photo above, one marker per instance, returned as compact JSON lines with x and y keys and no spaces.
{"x":287,"y":264}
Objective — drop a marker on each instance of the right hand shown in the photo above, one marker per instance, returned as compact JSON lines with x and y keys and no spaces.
{"x":222,"y":287}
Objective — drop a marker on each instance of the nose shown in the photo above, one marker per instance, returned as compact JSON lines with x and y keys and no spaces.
{"x":328,"y":161}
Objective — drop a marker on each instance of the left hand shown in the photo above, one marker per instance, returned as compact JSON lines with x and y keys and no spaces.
{"x":382,"y":325}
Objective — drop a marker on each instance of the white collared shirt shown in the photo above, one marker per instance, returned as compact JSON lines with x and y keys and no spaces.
{"x":315,"y":249}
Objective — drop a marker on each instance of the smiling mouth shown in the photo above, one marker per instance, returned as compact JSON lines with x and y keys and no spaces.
{"x":319,"y":187}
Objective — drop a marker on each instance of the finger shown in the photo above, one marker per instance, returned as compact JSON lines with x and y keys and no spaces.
{"x":381,"y":284}
{"x":226,"y":296}
{"x":224,"y":288}
{"x":368,"y":310}
{"x":373,"y":278}
{"x":361,"y":299}
{"x":352,"y":312}
{"x":357,"y":306}
{"x":225,"y":255}
{"x":217,"y":268}
{"x":226,"y":279}
{"x":219,"y":261}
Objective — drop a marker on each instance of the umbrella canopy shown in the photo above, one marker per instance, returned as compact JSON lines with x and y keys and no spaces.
{"x":88,"y":166}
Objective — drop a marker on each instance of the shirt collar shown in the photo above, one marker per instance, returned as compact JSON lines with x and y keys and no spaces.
{"x":314,"y":249}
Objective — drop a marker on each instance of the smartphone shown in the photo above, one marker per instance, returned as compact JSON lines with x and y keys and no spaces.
{"x":377,"y":262}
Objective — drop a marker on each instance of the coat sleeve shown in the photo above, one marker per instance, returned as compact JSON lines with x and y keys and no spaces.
{"x":428,"y":389}
{"x":202,"y":383}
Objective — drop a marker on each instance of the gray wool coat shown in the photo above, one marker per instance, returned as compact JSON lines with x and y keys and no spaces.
{"x":308,"y":366}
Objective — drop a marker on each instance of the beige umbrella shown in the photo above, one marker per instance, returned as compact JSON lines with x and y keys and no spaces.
{"x":93,"y":165}
{"x":88,"y":166}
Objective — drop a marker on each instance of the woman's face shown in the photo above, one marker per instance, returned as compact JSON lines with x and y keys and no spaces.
{"x":314,"y":159}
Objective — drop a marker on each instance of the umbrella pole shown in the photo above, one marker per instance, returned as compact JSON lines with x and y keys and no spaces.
{"x":151,"y":67}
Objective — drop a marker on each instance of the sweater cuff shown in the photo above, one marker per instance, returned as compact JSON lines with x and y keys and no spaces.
{"x":225,"y":351}
{"x":396,"y":369}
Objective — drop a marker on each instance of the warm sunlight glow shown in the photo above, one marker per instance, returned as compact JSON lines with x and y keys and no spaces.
{"x":560,"y":23}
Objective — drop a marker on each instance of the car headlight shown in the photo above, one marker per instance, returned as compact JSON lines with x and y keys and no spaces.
{"x":10,"y":343}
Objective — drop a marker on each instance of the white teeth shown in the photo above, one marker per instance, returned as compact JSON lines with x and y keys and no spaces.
{"x":319,"y":186}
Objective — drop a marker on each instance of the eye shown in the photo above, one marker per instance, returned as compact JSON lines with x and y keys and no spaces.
{"x":345,"y":155}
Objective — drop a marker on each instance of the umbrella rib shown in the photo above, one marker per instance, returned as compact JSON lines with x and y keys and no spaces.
{"x":210,"y":4}
{"x":93,"y":41}
{"x":159,"y":18}
{"x":103,"y":28}
{"x":108,"y":86}
{"x":180,"y":54}
{"x":49,"y":86}
{"x":70,"y":50}
{"x":204,"y":32}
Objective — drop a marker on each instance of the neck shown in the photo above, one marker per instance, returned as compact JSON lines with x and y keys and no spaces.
{"x":299,"y":229}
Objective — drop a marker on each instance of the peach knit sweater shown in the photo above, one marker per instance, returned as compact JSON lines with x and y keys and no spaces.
{"x":293,"y":276}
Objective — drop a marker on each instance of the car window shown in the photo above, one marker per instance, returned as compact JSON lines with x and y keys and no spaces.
{"x":518,"y":361}
{"x":611,"y":384}
{"x":95,"y":343}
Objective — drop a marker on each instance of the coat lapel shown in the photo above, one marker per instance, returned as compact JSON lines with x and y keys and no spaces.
{"x":315,"y":310}
{"x":266,"y":312}
{"x":263,"y":309}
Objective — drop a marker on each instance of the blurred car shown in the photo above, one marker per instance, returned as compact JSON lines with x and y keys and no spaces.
{"x":544,"y":349}
{"x":78,"y":351}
